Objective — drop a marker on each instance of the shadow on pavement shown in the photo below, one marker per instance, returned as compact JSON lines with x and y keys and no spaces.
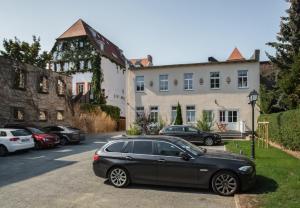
{"x":24,"y":165}
{"x":263,"y":185}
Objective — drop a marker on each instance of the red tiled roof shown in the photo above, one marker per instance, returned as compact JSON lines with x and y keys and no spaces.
{"x":102,"y":44}
{"x":144,"y":62}
{"x":235,"y":55}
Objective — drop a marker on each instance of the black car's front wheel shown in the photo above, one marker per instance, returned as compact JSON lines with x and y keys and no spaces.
{"x":118,"y":177}
{"x":225,"y":183}
{"x":63,"y":141}
{"x":209,"y":141}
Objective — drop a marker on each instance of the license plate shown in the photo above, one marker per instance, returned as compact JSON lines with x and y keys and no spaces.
{"x":24,"y":140}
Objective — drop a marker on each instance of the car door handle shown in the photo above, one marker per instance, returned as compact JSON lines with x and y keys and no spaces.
{"x":161,"y":160}
{"x":128,"y":158}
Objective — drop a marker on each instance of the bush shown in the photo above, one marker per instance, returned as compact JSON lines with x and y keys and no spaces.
{"x":178,"y":120}
{"x":134,"y":130}
{"x":205,"y":124}
{"x":284,"y":128}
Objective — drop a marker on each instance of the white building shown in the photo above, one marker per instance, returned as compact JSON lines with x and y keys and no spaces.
{"x":113,"y":62}
{"x":218,"y":87}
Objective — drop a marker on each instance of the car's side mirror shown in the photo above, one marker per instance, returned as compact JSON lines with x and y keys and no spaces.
{"x":184,"y":156}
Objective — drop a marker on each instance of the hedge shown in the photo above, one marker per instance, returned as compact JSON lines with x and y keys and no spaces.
{"x":284,"y":128}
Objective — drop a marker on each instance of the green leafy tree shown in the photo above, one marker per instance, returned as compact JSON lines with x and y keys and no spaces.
{"x":26,"y":52}
{"x":287,"y":60}
{"x":178,"y":120}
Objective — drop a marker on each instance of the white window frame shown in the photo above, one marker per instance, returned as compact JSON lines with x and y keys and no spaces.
{"x":163,"y":82}
{"x":173,"y":113}
{"x":139,"y":111}
{"x":222,"y":118}
{"x":188,"y":81}
{"x":213,"y":80}
{"x":189,"y":117}
{"x":140,"y":84}
{"x":154,"y":114}
{"x":243,"y":86}
{"x":237,"y":116}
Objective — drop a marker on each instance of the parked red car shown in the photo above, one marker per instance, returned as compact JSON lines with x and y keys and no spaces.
{"x":41,"y":139}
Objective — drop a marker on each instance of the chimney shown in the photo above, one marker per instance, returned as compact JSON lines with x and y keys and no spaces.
{"x":256,"y":55}
{"x":212,"y":59}
{"x":149,"y":57}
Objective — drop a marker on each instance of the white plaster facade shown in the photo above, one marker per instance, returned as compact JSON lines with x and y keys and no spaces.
{"x":114,"y":83}
{"x":228,"y":98}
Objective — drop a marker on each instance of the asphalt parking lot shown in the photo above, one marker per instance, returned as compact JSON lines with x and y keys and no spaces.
{"x":63,"y":177}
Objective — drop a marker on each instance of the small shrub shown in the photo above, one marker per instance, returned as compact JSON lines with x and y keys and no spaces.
{"x":134,"y":130}
{"x":206,"y":123}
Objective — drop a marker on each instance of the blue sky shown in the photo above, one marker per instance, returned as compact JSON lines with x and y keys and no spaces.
{"x":172,"y":31}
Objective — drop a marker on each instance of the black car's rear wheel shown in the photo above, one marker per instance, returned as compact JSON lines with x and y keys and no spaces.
{"x":3,"y":150}
{"x":118,"y":177}
{"x":225,"y":183}
{"x":63,"y":141}
{"x":209,"y":141}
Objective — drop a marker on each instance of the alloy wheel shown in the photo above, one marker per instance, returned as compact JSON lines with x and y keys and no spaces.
{"x":209,"y":141}
{"x":118,"y":177}
{"x":63,"y":141}
{"x":225,"y":184}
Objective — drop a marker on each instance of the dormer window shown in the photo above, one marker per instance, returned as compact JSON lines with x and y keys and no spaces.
{"x":60,"y":87}
{"x":44,"y":84}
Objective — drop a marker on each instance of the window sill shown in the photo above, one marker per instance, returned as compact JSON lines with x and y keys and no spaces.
{"x":215,"y":88}
{"x":139,"y":91}
{"x":163,"y":90}
{"x":243,"y":88}
{"x":188,"y":89}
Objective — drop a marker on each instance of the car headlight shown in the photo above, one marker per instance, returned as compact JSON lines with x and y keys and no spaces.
{"x":246,"y":169}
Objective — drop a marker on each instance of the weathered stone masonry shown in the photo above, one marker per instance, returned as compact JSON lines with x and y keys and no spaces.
{"x":31,"y":104}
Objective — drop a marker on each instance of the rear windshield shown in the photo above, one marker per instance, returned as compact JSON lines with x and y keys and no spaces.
{"x":35,"y":130}
{"x":20,"y":132}
{"x":73,"y":128}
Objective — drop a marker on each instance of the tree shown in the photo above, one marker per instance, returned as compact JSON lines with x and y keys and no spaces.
{"x":287,"y":54}
{"x":25,"y":52}
{"x":178,"y":120}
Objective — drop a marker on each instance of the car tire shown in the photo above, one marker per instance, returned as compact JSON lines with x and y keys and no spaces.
{"x":225,"y":183}
{"x":3,"y":151}
{"x":118,"y":177}
{"x":63,"y":141}
{"x":37,"y":146}
{"x":209,"y":141}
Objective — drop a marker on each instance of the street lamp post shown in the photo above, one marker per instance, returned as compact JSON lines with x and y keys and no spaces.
{"x":253,"y":95}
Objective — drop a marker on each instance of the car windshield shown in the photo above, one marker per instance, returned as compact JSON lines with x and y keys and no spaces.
{"x":20,"y":132}
{"x":195,"y":150}
{"x":35,"y":130}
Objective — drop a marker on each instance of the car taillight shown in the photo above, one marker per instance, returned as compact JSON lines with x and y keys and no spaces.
{"x":36,"y":136}
{"x":14,"y":139}
{"x":96,"y":157}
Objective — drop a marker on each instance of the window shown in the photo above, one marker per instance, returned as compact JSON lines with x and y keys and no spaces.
{"x":89,"y":64}
{"x":3,"y":133}
{"x":215,"y":80}
{"x":60,"y":87}
{"x":60,"y":115}
{"x":128,"y":147}
{"x":43,"y":115}
{"x":173,"y":113}
{"x":175,"y":129}
{"x":190,"y":114}
{"x":222,"y":116}
{"x":191,"y":129}
{"x":232,"y":116}
{"x":20,"y":79}
{"x":79,"y":88}
{"x":142,"y":147}
{"x":163,"y":82}
{"x":58,"y":68}
{"x":81,"y":64}
{"x":80,"y":44}
{"x":66,"y":66}
{"x":243,"y":79}
{"x":188,"y":81}
{"x":20,"y":132}
{"x":209,"y":114}
{"x":167,"y":149}
{"x":139,"y":83}
{"x":115,"y":147}
{"x":44,"y":84}
{"x":18,"y":114}
{"x":139,"y":111}
{"x":154,"y":113}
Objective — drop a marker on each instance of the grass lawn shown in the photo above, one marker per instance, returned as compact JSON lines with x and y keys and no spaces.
{"x":278,"y":176}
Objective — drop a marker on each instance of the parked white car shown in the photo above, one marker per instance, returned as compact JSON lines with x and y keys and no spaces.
{"x":12,"y":140}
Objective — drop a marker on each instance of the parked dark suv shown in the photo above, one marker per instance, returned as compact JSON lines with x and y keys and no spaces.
{"x":67,"y":134}
{"x":191,"y":134}
{"x":172,"y":161}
